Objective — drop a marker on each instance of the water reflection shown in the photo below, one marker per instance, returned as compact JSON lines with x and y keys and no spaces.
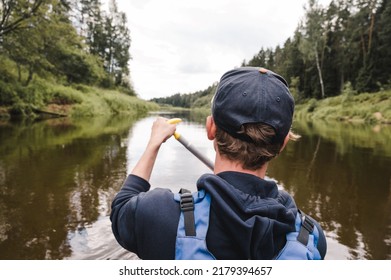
{"x":341,"y":175}
{"x":58,"y":178}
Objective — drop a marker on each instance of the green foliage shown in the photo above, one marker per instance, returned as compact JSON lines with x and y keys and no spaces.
{"x":294,"y":89}
{"x":364,"y":107}
{"x":203,"y":102}
{"x":8,"y":95}
{"x":20,"y":109}
{"x":348,"y":90}
{"x":79,"y":67}
{"x":78,"y":100}
{"x":311,"y":105}
{"x":108,"y":37}
{"x":15,"y":16}
{"x":62,"y":95}
{"x":102,"y":102}
{"x":347,"y":93}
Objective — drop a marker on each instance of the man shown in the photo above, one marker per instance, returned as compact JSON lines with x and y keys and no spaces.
{"x":249,"y":218}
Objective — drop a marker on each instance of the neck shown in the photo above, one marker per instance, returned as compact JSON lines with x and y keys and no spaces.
{"x":223,"y":164}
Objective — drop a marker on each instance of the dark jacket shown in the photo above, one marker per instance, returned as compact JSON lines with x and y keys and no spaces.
{"x":249,"y":217}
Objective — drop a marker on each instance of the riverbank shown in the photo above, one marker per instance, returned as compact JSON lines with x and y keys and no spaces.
{"x":46,"y":100}
{"x":372,"y":108}
{"x":361,"y":108}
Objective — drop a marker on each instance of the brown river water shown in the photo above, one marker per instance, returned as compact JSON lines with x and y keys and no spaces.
{"x":58,"y":178}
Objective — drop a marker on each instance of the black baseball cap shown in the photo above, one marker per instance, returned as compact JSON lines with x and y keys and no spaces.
{"x":253,"y":95}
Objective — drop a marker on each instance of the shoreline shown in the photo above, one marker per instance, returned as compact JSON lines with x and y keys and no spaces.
{"x":365,"y":108}
{"x":369,"y":108}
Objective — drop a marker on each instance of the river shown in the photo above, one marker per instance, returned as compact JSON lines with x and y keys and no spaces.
{"x":58,"y":178}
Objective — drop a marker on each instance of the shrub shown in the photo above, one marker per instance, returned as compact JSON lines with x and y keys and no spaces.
{"x":7,"y":94}
{"x":62,"y":95}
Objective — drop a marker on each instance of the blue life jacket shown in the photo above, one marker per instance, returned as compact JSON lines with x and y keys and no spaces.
{"x":193,"y":226}
{"x":194,"y":222}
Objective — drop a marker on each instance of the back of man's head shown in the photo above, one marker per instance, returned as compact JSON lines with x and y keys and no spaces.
{"x":253,"y":111}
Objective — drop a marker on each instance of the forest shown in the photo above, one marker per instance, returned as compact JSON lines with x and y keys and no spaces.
{"x":53,"y":52}
{"x":342,"y":48}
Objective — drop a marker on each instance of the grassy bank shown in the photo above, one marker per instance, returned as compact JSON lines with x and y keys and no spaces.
{"x":45,"y":98}
{"x":364,"y":108}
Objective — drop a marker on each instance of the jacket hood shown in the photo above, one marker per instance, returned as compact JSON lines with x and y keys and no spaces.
{"x":253,"y":213}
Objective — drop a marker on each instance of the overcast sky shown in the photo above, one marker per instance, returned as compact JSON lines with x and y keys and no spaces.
{"x":182,"y":46}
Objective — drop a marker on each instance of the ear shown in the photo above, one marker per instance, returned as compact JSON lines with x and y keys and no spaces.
{"x":286,"y":140}
{"x":210,"y":128}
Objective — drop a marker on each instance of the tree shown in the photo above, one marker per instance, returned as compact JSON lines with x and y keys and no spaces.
{"x":50,"y":44}
{"x":291,"y":64}
{"x":384,"y":43}
{"x":336,"y":58}
{"x":270,"y":58}
{"x":15,"y":14}
{"x":91,"y":25}
{"x":258,"y":59}
{"x":313,"y":42}
{"x":107,"y":36}
{"x":24,"y":44}
{"x":118,"y":44}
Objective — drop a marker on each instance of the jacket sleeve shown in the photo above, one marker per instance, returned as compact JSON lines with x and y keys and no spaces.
{"x":123,"y":211}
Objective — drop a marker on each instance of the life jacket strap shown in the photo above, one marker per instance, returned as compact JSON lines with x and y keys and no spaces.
{"x":306,"y":228}
{"x":187,"y":207}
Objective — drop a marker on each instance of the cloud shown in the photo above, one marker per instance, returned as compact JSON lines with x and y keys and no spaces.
{"x":185,"y":46}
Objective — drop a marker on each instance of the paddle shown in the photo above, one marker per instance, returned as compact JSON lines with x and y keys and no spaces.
{"x":189,"y":146}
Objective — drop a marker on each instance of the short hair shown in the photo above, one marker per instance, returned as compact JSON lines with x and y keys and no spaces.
{"x":251,"y":154}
